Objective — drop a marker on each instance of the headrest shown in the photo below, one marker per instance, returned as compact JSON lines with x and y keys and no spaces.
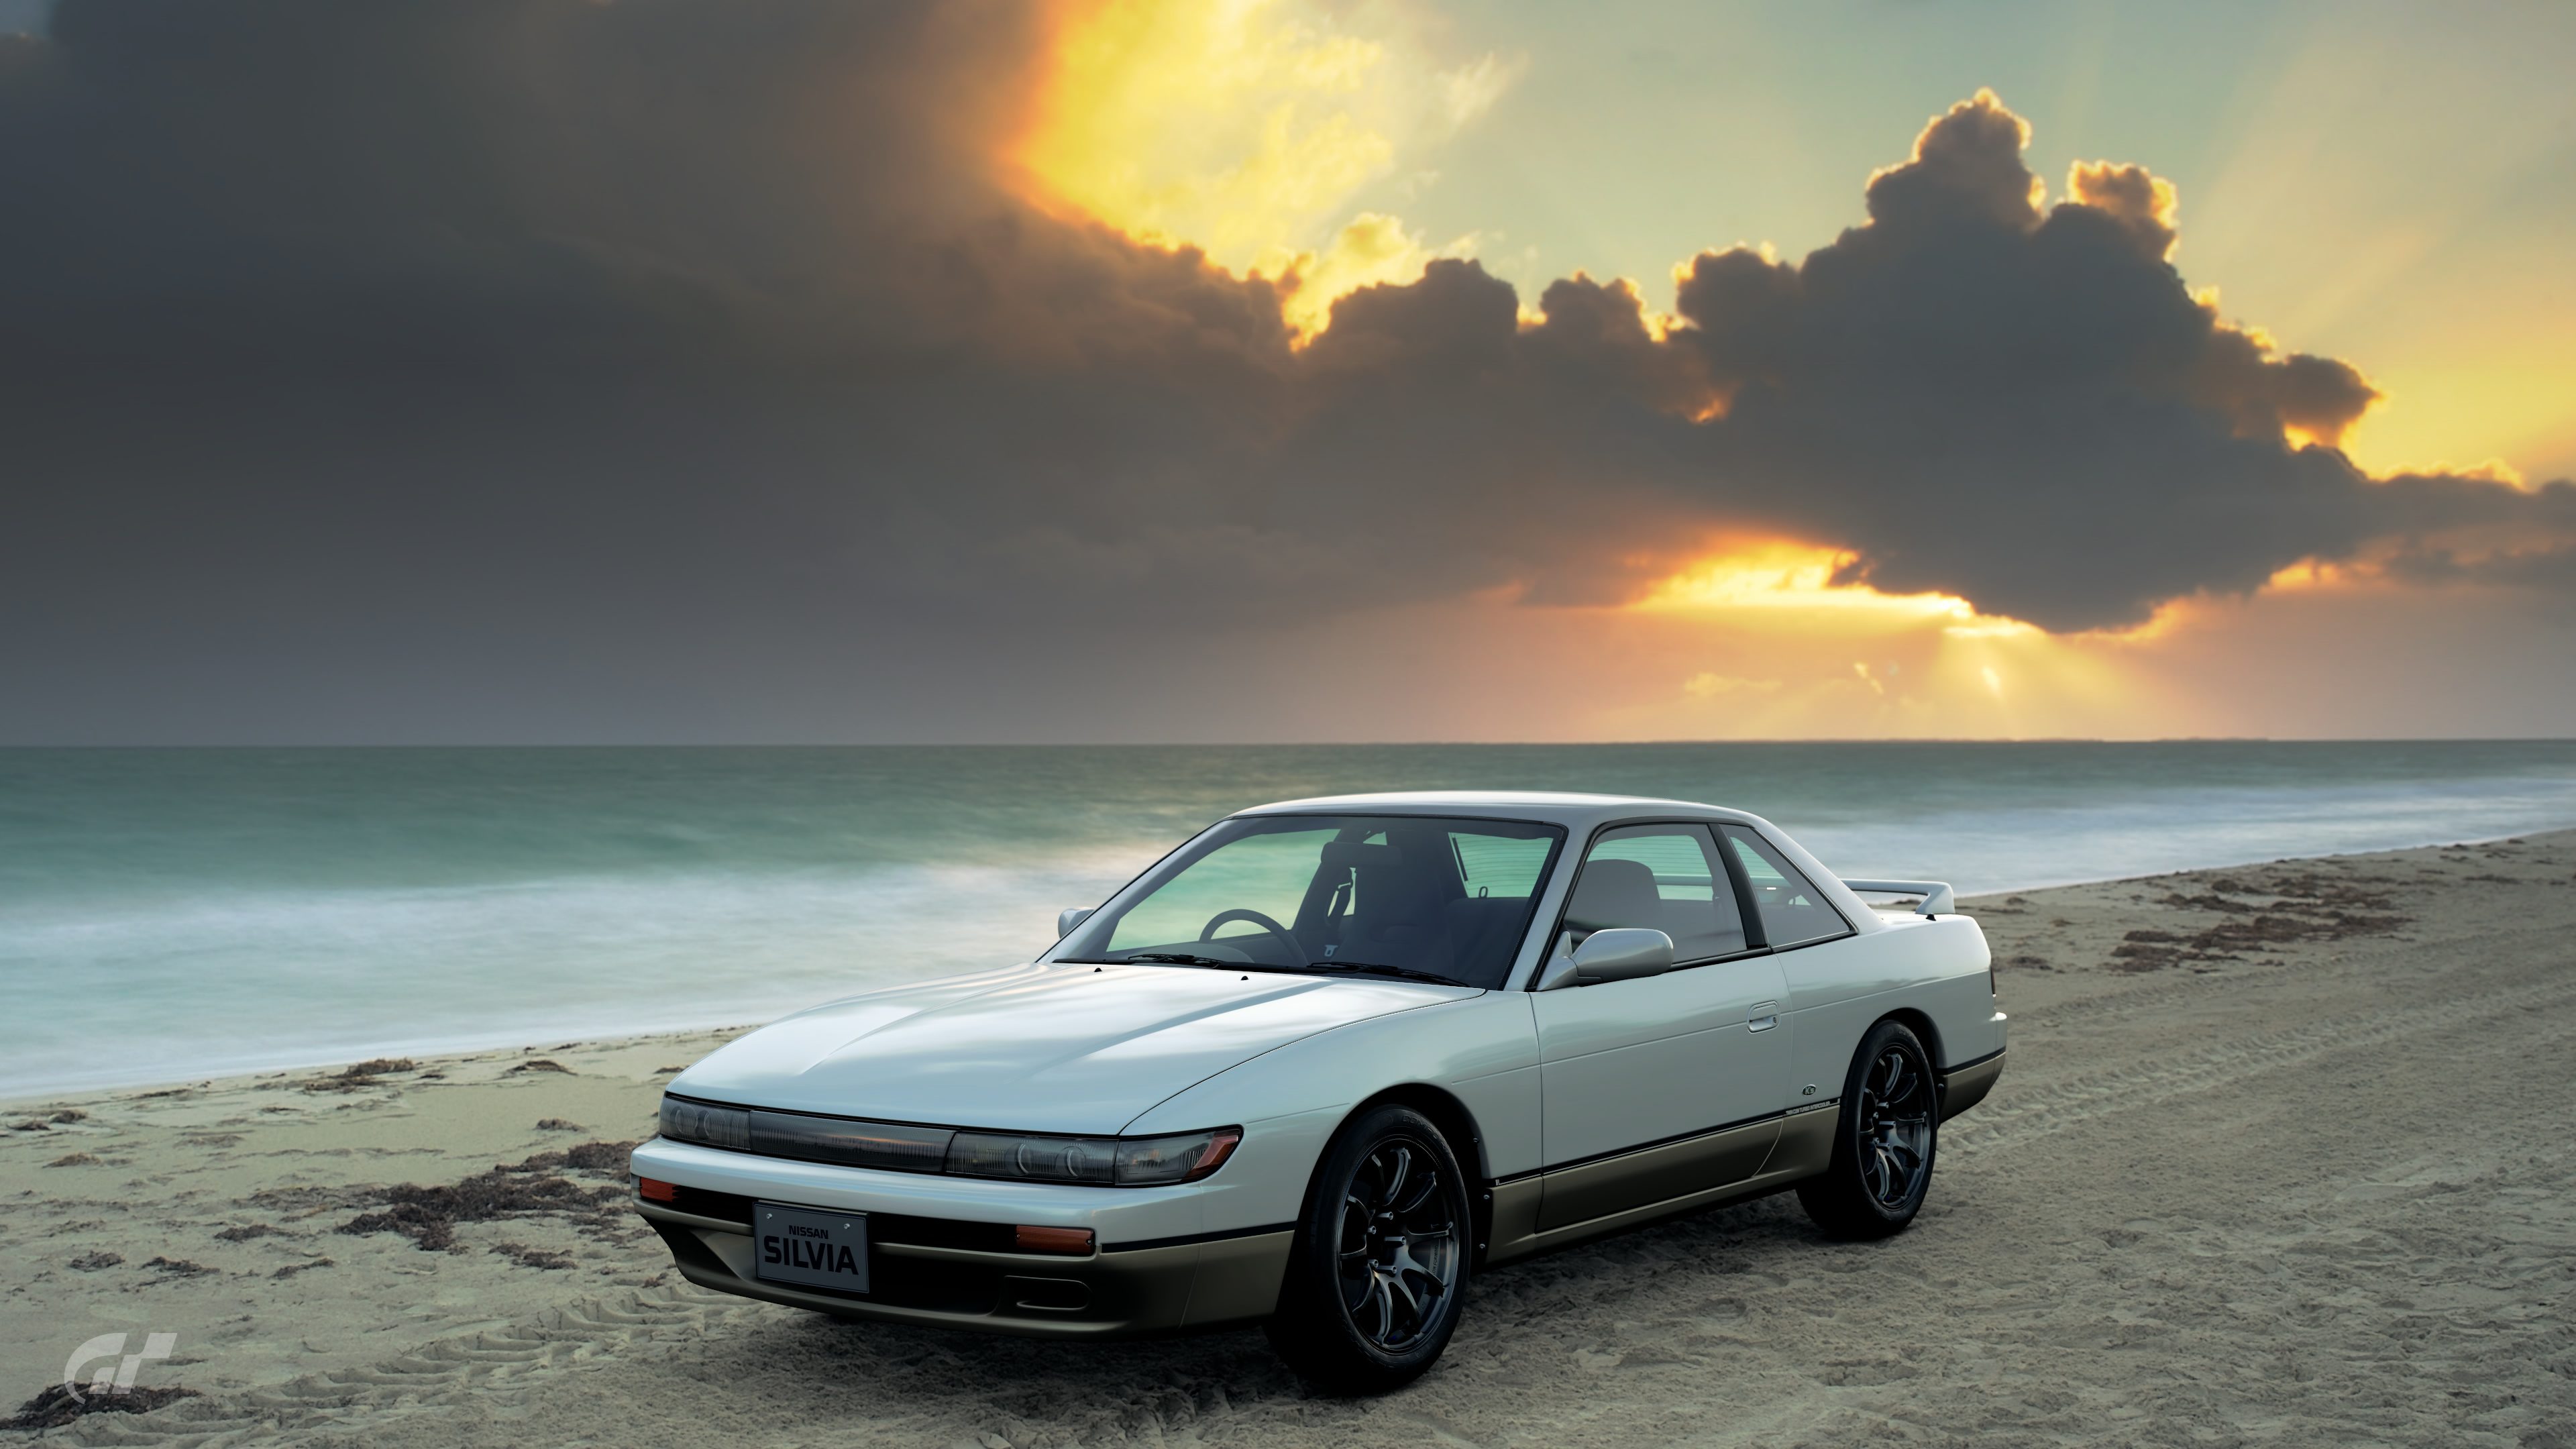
{"x":1614,"y":893}
{"x":1339,"y":854}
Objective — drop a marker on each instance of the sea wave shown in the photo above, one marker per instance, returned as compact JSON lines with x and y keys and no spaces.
{"x":174,"y":915}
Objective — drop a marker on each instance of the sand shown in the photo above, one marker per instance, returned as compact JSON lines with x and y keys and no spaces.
{"x":2284,"y":1156}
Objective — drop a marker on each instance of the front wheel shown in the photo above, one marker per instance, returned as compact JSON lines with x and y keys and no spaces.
{"x":1380,"y":1263}
{"x":1884,"y":1140}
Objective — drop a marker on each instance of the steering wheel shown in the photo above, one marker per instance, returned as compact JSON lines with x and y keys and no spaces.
{"x":1278,"y":932}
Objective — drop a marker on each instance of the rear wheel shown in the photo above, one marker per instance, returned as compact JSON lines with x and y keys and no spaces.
{"x":1884,"y":1140}
{"x":1380,"y":1263}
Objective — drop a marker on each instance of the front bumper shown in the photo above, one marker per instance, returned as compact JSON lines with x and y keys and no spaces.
{"x":928,"y":1256}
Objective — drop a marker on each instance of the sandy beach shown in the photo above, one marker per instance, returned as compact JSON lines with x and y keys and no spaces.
{"x":2282,"y":1157}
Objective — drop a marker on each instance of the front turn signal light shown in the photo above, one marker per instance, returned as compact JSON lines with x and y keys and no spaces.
{"x":1068,"y":1242}
{"x":656,"y":1190}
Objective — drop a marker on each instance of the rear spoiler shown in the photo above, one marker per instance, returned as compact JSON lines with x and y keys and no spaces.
{"x":1937,"y":900}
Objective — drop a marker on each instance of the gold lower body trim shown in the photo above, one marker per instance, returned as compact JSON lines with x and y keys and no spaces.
{"x":1968,"y":1086}
{"x":1549,"y":1211}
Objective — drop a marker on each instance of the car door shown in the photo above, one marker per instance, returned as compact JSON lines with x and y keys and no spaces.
{"x":1664,"y":1085}
{"x":1833,"y":984}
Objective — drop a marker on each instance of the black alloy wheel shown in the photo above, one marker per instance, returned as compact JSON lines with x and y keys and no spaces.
{"x":1398,"y":1258}
{"x":1379,"y":1268}
{"x":1894,"y":1143}
{"x":1885,"y":1139}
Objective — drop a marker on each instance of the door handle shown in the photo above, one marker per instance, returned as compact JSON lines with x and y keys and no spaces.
{"x":1764,"y":1016}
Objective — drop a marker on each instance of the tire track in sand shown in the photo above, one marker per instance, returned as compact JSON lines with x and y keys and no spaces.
{"x":2052,"y":1106}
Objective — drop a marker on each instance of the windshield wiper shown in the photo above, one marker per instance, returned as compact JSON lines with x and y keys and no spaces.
{"x":1376,"y":968}
{"x":1354,"y":968}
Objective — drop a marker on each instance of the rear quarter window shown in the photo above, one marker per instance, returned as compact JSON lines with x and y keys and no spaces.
{"x":1793,"y":910}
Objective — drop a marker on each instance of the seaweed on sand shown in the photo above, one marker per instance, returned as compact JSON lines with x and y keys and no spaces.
{"x":59,"y":1405}
{"x":2305,"y":907}
{"x":527,"y":1257}
{"x":359,"y":1076}
{"x":428,"y":1215}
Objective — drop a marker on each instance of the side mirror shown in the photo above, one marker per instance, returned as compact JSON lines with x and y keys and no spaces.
{"x":1623,"y":954}
{"x":1065,"y":921}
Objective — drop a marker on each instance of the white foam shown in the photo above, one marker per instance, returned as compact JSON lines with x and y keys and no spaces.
{"x":125,"y":981}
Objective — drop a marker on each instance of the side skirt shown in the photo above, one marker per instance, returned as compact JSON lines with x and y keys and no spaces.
{"x":1804,"y":1144}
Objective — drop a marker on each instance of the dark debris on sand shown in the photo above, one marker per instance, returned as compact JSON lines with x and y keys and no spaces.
{"x":429,"y":1215}
{"x":599,"y":1157}
{"x":527,"y":1257}
{"x":361,"y":1075}
{"x":541,"y":1064}
{"x":58,"y":1405}
{"x":2302,"y":908}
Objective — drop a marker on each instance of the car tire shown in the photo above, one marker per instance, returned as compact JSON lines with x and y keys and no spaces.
{"x":1885,"y":1139}
{"x":1379,"y":1265}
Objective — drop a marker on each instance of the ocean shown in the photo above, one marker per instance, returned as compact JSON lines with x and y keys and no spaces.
{"x":169,"y":915}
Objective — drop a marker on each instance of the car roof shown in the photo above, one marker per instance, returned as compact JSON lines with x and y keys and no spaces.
{"x":1553,"y":807}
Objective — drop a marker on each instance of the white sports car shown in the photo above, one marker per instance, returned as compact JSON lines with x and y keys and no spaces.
{"x":1326,"y":1060}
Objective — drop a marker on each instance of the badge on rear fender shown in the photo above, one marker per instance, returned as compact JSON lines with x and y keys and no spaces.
{"x":811,"y":1249}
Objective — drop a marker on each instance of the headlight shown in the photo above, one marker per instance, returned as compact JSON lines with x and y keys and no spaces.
{"x":1033,"y":1159}
{"x":1109,"y":1161}
{"x":686,"y":1121}
{"x":1187,"y":1157}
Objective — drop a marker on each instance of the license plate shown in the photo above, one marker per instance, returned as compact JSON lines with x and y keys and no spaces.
{"x":811,"y":1249}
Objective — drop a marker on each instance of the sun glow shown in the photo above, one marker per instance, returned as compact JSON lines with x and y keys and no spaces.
{"x":1246,"y":128}
{"x":1789,"y":576}
{"x":1790,"y":650}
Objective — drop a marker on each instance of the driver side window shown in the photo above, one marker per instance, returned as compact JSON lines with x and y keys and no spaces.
{"x":1266,"y":873}
{"x":1662,"y":877}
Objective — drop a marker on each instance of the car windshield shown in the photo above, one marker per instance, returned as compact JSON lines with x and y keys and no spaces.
{"x":1370,"y":895}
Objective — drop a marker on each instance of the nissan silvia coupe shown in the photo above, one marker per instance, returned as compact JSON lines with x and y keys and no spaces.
{"x":1328,"y":1060}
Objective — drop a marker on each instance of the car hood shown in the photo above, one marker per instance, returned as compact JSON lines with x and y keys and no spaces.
{"x":1042,"y":1048}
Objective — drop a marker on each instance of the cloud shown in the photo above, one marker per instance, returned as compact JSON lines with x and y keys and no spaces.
{"x":597,"y":353}
{"x":2020,"y":405}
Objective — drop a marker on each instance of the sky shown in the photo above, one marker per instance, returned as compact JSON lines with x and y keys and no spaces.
{"x":1034,"y":370}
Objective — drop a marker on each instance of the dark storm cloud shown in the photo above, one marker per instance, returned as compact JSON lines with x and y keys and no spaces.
{"x":552,"y":346}
{"x":2022,"y":407}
